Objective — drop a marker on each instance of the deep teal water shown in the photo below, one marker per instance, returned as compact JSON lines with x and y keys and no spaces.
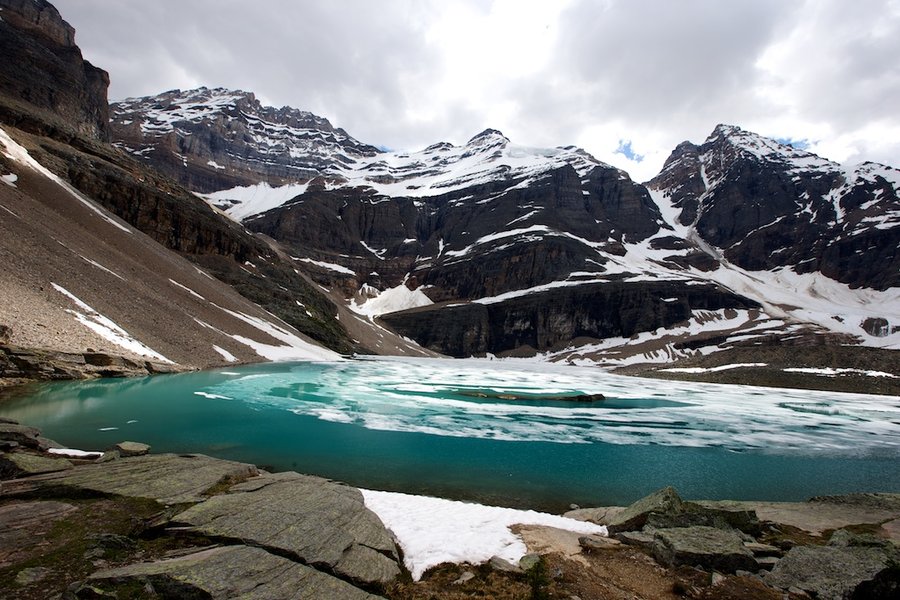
{"x":421,"y":427}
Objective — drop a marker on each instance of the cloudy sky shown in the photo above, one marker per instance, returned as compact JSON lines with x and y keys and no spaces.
{"x":625,"y":79}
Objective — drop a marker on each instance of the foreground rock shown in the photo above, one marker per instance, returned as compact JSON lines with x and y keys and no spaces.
{"x":835,"y":573}
{"x":223,"y":573}
{"x":708,"y":547}
{"x":310,"y":519}
{"x":166,"y":478}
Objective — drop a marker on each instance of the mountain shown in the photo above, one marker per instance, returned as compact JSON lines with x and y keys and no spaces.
{"x":494,"y":248}
{"x":211,"y":139}
{"x":767,"y":205}
{"x":106,"y":266}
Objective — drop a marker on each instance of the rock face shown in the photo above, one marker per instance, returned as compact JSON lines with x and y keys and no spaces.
{"x":43,"y":67}
{"x":318,"y":522}
{"x":223,"y":573}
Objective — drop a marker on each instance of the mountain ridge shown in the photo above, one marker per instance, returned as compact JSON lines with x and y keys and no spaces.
{"x":740,"y":212}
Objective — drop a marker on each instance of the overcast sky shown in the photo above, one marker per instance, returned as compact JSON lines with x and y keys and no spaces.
{"x":625,"y":79}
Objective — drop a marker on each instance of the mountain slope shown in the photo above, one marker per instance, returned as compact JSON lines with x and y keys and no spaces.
{"x":76,"y":278}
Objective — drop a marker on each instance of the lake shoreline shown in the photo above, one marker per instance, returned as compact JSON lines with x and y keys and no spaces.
{"x":86,"y":500}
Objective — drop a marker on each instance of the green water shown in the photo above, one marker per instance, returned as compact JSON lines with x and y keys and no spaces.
{"x":424,"y":427}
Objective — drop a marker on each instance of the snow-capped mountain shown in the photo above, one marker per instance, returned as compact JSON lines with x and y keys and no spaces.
{"x":491,"y":247}
{"x":208,"y":139}
{"x":767,"y":205}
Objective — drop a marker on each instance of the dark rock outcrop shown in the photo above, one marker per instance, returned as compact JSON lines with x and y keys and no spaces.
{"x":551,"y":319}
{"x":44,"y":68}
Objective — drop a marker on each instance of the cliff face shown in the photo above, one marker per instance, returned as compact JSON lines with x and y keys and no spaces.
{"x":45,"y":69}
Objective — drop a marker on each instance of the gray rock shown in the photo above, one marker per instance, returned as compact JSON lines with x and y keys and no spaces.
{"x":600,"y":515}
{"x":166,"y":478}
{"x":708,"y":547}
{"x":21,"y":464}
{"x":529,"y":561}
{"x":31,"y":575}
{"x":501,"y":564}
{"x":836,"y":573}
{"x":229,"y":572}
{"x":126,"y":449}
{"x":767,"y":563}
{"x":313,"y":520}
{"x":22,"y":434}
{"x":762,"y":549}
{"x":638,"y":539}
{"x":665,"y":501}
{"x":466,"y":576}
{"x":597,"y":542}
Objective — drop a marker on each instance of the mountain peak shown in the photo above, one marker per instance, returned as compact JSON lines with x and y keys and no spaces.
{"x":488,"y":137}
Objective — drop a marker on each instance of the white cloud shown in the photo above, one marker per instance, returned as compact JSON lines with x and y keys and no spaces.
{"x":407,"y":73}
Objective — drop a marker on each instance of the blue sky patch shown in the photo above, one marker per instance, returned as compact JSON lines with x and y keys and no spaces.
{"x":626,"y":150}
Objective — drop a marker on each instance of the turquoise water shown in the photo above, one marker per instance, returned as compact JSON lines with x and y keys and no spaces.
{"x":491,"y":431}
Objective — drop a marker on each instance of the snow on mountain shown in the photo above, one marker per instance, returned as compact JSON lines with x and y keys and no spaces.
{"x":800,"y":244}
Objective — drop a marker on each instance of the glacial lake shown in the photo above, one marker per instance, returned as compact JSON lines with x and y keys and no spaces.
{"x":495,"y":432}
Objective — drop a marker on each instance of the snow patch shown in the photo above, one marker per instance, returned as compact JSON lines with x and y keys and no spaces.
{"x":327,"y":265}
{"x":228,"y":356}
{"x":73,"y":453}
{"x":432,"y":531}
{"x":246,"y":201}
{"x":107,"y":329}
{"x":19,"y":154}
{"x":390,"y":300}
{"x":294,"y":348}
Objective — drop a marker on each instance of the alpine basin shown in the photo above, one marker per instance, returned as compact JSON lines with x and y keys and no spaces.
{"x":496,"y":432}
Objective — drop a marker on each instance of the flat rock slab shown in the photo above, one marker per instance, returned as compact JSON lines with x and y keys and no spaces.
{"x":22,"y":523}
{"x":709,"y":547}
{"x":225,"y":573}
{"x":316,"y":521}
{"x":22,"y":464}
{"x":819,"y":516}
{"x":835,"y":573}
{"x":166,"y":478}
{"x":126,"y":449}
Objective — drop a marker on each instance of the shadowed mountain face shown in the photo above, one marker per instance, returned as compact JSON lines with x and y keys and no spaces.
{"x":750,"y":239}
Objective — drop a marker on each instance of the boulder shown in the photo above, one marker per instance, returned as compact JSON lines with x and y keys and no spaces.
{"x":20,"y":464}
{"x":21,"y":434}
{"x":601,"y":515}
{"x":639,"y":539}
{"x":310,"y":519}
{"x":126,"y":449}
{"x":661,"y":502}
{"x":838,"y":573}
{"x":708,"y":547}
{"x":224,"y":573}
{"x":501,"y":564}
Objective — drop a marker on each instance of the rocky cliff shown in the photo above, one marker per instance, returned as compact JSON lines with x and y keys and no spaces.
{"x":44,"y":68}
{"x":767,"y":205}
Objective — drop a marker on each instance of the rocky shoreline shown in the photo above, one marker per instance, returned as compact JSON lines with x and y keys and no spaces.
{"x":129,"y":524}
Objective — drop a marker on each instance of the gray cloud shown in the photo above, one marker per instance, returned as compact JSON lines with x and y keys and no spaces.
{"x":654,"y":72}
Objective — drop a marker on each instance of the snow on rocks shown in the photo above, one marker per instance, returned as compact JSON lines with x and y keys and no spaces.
{"x":432,"y":531}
